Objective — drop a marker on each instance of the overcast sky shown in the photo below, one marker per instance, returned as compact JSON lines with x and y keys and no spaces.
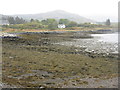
{"x":94,"y":9}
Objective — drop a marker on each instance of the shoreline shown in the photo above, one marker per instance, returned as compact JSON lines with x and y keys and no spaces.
{"x":85,"y":43}
{"x":93,"y":46}
{"x":57,"y":30}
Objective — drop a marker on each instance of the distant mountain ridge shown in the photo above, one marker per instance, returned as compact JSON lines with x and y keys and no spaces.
{"x":57,"y":14}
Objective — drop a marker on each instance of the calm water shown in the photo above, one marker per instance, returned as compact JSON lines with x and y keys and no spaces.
{"x":112,"y":38}
{"x":101,"y":43}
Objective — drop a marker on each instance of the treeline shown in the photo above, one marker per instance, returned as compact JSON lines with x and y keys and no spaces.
{"x":19,"y":23}
{"x":12,"y":20}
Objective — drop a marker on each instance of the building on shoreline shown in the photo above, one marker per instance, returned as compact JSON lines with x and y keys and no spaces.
{"x":61,"y":26}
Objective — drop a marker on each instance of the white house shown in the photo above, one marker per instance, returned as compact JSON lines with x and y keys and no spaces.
{"x":61,"y":26}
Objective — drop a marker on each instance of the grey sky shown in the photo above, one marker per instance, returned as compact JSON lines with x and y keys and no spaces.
{"x":94,"y":9}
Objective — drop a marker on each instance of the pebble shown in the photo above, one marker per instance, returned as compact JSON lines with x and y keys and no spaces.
{"x":93,"y":46}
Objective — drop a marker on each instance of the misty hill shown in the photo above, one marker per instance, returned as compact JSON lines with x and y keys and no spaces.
{"x":57,"y":14}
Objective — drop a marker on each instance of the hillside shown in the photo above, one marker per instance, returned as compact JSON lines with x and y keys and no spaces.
{"x":57,"y":14}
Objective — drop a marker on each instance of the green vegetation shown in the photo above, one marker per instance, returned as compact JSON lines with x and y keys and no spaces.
{"x":64,"y":21}
{"x":108,"y":22}
{"x":50,"y":24}
{"x":72,"y":24}
{"x":15,"y":20}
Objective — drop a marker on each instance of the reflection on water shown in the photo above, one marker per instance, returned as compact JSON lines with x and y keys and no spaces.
{"x":101,"y":43}
{"x":112,"y":38}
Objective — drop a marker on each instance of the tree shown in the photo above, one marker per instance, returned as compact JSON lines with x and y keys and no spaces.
{"x":31,"y":20}
{"x":49,"y":23}
{"x":44,"y":22}
{"x":72,"y":24}
{"x":64,"y":21}
{"x":37,"y":20}
{"x":108,"y":22}
{"x":11,"y":20}
{"x":52,"y":23}
{"x":19,"y":20}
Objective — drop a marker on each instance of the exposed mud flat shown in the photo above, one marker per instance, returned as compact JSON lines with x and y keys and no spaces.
{"x":33,"y":60}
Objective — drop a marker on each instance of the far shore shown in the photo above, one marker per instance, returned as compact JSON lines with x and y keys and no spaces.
{"x":57,"y":30}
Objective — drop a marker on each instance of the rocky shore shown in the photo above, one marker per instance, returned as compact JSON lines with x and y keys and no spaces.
{"x":34,"y":60}
{"x":7,"y":35}
{"x":93,"y":46}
